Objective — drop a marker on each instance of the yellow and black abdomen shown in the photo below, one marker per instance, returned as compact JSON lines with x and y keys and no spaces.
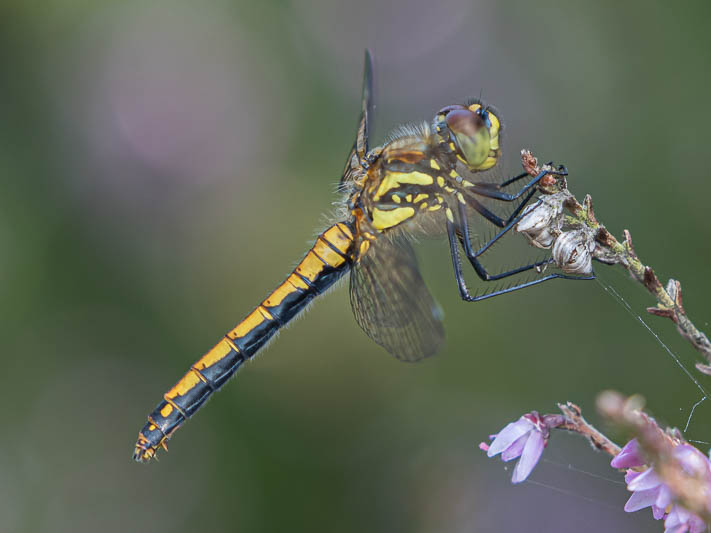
{"x":327,"y":261}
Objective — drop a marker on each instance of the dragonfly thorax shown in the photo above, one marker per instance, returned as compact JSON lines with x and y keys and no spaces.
{"x":402,"y":181}
{"x":420,"y":168}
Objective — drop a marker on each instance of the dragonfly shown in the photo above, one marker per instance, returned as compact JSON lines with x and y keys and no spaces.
{"x":423,"y":177}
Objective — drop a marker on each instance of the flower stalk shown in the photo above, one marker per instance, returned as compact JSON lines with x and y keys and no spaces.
{"x":609,"y":250}
{"x":662,"y":470}
{"x":573,"y":421}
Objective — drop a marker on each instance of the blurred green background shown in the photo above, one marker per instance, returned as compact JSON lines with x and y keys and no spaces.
{"x":163,"y":165}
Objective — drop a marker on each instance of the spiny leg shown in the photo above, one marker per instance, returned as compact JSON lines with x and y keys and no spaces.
{"x":464,"y":238}
{"x":464,"y":292}
{"x":490,"y":190}
{"x":494,"y":218}
{"x":523,"y":175}
{"x":498,"y":195}
{"x":511,"y":180}
{"x":510,"y":223}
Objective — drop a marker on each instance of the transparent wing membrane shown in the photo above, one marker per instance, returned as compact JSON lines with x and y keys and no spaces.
{"x":360,"y":146}
{"x":392,"y":304}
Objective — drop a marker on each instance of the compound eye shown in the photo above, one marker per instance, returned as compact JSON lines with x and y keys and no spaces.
{"x":471,"y":135}
{"x":483,"y":113}
{"x":485,"y":118}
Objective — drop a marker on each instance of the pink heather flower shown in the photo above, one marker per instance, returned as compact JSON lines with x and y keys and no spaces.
{"x":629,"y":457}
{"x":524,"y":438}
{"x":679,"y":520}
{"x":648,"y":490}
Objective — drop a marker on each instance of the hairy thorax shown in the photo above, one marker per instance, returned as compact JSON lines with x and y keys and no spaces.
{"x":412,"y":179}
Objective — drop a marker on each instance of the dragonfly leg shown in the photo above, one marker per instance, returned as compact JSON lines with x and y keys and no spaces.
{"x":463,"y":236}
{"x":519,"y":177}
{"x":490,"y":190}
{"x":512,"y":180}
{"x":494,"y":218}
{"x":508,"y":224}
{"x":464,"y":292}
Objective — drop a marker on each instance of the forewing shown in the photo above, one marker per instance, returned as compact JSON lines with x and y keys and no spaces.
{"x":392,"y":304}
{"x":360,"y":146}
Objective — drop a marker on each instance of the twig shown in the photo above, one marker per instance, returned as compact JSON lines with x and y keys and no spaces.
{"x":573,"y":421}
{"x":661,"y":467}
{"x":611,"y":251}
{"x":688,"y":488}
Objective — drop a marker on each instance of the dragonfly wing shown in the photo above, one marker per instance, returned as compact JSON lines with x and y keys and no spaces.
{"x":360,"y":146}
{"x":366,"y":106}
{"x":392,"y":304}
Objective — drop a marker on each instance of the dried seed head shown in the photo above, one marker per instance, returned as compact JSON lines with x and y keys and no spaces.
{"x":572,"y":251}
{"x":540,"y":222}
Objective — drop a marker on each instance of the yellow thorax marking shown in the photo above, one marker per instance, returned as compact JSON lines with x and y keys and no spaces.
{"x":434,"y":164}
{"x":393,"y":180}
{"x":387,"y":219}
{"x":440,"y":181}
{"x":420,"y":197}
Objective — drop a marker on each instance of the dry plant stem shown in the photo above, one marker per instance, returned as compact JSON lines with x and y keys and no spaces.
{"x":658,"y":445}
{"x":573,"y":421}
{"x":611,"y":251}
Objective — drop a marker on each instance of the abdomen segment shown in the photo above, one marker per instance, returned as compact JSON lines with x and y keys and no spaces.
{"x":327,"y":261}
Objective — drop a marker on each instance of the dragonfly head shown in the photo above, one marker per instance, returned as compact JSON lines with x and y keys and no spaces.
{"x":474,"y":132}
